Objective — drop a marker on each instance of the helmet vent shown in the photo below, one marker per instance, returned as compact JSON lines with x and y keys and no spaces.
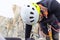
{"x":31,"y":13}
{"x":31,"y":17}
{"x":32,"y":21}
{"x":28,"y":5}
{"x":33,"y":9}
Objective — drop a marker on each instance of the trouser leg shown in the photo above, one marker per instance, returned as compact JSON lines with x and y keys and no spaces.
{"x":28,"y":31}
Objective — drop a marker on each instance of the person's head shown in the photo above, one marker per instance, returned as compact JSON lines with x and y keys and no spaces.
{"x":44,"y":10}
{"x":31,"y":13}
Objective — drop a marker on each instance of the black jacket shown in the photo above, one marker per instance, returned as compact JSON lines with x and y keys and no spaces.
{"x":53,"y":7}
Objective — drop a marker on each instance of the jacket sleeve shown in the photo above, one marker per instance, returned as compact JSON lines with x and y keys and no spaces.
{"x":50,"y":4}
{"x":46,"y":3}
{"x":55,"y":6}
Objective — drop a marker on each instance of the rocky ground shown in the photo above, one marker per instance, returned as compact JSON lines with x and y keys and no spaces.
{"x":10,"y":29}
{"x":14,"y":27}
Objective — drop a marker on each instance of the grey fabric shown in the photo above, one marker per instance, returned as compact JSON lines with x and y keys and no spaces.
{"x":30,"y":39}
{"x":13,"y":39}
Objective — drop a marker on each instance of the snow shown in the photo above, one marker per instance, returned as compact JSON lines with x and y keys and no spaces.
{"x":6,"y":6}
